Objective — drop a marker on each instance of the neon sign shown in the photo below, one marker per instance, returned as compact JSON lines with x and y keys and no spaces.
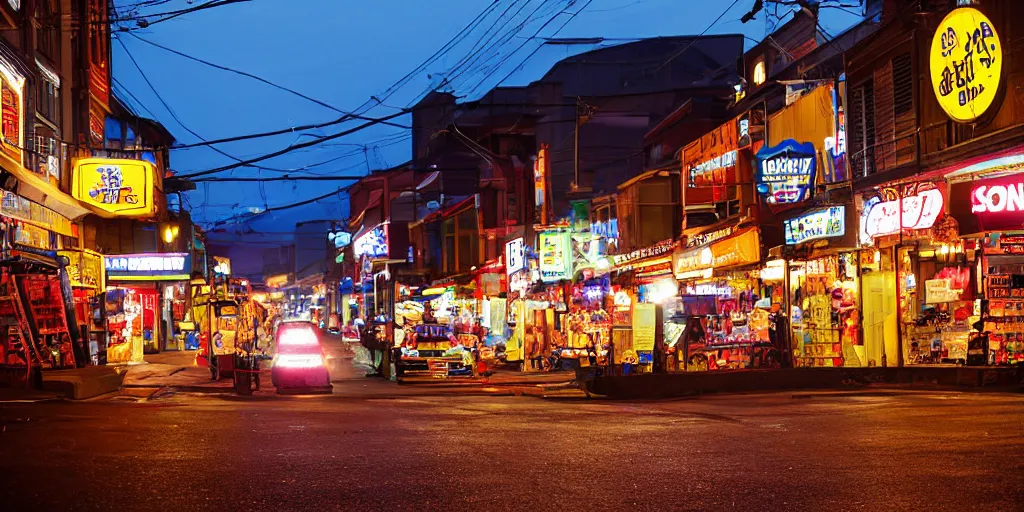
{"x":647,"y":252}
{"x":172,"y":266}
{"x":999,"y":202}
{"x":607,"y":229}
{"x":917,"y":211}
{"x":785,"y":173}
{"x":115,"y":186}
{"x":998,"y":198}
{"x":373,"y":243}
{"x":555,"y":256}
{"x":827,"y":223}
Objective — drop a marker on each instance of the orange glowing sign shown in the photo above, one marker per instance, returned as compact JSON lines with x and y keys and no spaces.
{"x":121,"y":188}
{"x":540,"y":183}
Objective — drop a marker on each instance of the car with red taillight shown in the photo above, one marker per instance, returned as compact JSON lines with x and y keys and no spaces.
{"x":299,"y":365}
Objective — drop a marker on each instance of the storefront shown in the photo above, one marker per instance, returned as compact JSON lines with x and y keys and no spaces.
{"x":139,"y":314}
{"x":823,"y":289}
{"x":641,"y":281}
{"x":990,"y":213}
{"x":86,"y":274}
{"x":724,"y":306}
{"x":34,"y":306}
{"x":913,"y":245}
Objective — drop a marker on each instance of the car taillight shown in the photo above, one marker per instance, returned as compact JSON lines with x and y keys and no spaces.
{"x":299,"y":361}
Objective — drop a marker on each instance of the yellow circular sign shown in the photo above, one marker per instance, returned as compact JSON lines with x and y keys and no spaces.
{"x":966,"y":64}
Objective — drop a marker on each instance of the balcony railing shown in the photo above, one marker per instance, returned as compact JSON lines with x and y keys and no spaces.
{"x":884,"y":156}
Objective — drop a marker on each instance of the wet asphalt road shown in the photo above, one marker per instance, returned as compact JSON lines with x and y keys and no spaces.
{"x":942,"y":451}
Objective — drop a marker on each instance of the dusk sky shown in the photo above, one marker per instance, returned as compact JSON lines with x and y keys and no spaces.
{"x":343,"y":52}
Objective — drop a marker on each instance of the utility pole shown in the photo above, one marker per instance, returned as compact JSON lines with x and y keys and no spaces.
{"x":583,"y":112}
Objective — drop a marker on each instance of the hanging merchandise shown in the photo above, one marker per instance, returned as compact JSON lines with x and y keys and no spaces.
{"x":732,"y":331}
{"x":825,"y":319}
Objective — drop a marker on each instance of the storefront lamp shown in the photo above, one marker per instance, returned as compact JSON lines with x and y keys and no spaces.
{"x":170,"y":233}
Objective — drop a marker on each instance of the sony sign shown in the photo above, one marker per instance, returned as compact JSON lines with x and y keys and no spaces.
{"x":998,"y":198}
{"x":998,"y":203}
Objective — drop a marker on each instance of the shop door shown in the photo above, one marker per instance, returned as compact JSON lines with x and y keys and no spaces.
{"x":150,"y":319}
{"x":880,"y":318}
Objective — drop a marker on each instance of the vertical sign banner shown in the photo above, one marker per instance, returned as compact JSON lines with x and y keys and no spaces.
{"x":555,"y":256}
{"x":515,"y":258}
{"x":540,"y":183}
{"x":966,"y":64}
{"x":644,"y":320}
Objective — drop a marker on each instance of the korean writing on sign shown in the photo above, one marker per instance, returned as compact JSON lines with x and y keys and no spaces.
{"x":966,"y":64}
{"x":16,"y":207}
{"x":708,"y":237}
{"x":827,"y":223}
{"x":116,"y":186}
{"x":785,"y":172}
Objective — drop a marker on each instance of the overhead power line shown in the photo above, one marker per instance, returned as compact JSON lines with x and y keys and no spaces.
{"x":373,"y":99}
{"x":279,"y":208}
{"x":294,"y":147}
{"x":695,"y":39}
{"x":282,"y":131}
{"x":278,"y":178}
{"x":143,"y":20}
{"x":161,"y":99}
{"x":520,"y":47}
{"x":260,"y":79}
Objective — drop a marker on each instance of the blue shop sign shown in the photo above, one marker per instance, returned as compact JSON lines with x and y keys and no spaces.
{"x":785,"y":173}
{"x":826,"y":223}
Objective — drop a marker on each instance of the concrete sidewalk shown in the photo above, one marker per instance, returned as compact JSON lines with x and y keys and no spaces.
{"x":83,"y":383}
{"x":503,"y":378}
{"x":187,"y":378}
{"x":738,"y":381}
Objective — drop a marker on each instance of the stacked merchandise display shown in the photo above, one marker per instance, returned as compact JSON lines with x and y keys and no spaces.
{"x":824,"y":315}
{"x":1004,"y":289}
{"x":736,"y":330}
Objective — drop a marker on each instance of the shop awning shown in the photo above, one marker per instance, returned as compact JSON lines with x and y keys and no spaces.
{"x":39,"y":190}
{"x":741,"y":248}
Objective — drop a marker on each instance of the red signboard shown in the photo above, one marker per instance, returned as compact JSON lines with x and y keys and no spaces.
{"x":999,"y":202}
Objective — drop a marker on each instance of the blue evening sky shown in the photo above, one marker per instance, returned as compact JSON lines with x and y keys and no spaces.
{"x":341,"y":53}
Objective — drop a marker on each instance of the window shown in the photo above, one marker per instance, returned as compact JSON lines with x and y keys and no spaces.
{"x":759,"y":75}
{"x":861,"y":136}
{"x":48,"y":100}
{"x":48,"y":35}
{"x":902,"y":84}
{"x":112,"y":133}
{"x":48,"y":151}
{"x":11,"y":107}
